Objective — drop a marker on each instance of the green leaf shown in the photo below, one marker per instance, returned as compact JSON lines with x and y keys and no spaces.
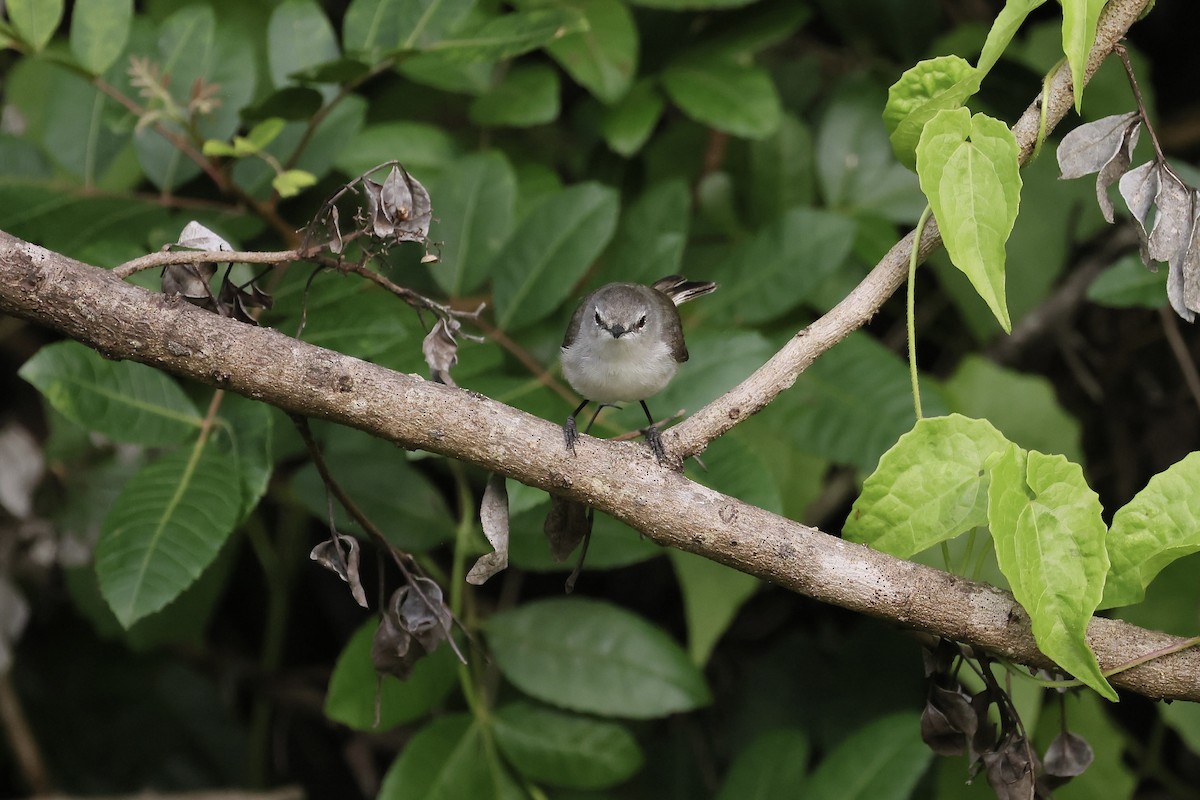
{"x":725,"y":95}
{"x":1003,"y":29}
{"x":564,"y":749}
{"x":603,"y":59}
{"x":969,"y":171}
{"x":587,"y":655}
{"x":1128,"y":284}
{"x":123,"y":400}
{"x":551,"y":250}
{"x":1049,"y":540}
{"x":856,"y":169}
{"x":1184,"y":719}
{"x":1080,"y":18}
{"x":510,"y":35}
{"x":853,"y":403}
{"x":164,"y":529}
{"x":99,"y":32}
{"x":353,"y":687}
{"x":410,"y":511}
{"x":217,"y":148}
{"x":527,"y":96}
{"x":292,"y":182}
{"x":773,"y":765}
{"x":683,"y":5}
{"x":790,"y":258}
{"x":447,"y":760}
{"x":245,"y":430}
{"x":1023,"y":406}
{"x":650,"y":239}
{"x":35,"y":20}
{"x":712,"y":595}
{"x":375,"y":27}
{"x":628,"y":123}
{"x":1159,"y":525}
{"x":299,"y":36}
{"x":931,"y":86}
{"x":475,"y":199}
{"x":929,"y":487}
{"x":424,"y":150}
{"x":881,"y":761}
{"x":782,"y":172}
{"x":265,"y":132}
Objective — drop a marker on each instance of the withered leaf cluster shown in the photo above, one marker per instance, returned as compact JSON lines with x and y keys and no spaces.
{"x":340,"y":555}
{"x":193,"y":282}
{"x":1172,"y":236}
{"x":396,"y":210}
{"x":957,"y":722}
{"x":414,"y":623}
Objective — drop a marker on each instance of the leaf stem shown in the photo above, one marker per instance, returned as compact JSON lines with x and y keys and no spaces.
{"x":910,"y":311}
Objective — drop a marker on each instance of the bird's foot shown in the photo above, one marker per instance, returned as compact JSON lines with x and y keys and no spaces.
{"x":654,"y":439}
{"x":570,"y":434}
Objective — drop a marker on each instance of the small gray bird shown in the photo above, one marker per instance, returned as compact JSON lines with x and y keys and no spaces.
{"x":624,"y":344}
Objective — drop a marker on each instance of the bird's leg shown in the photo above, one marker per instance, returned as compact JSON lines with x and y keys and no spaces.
{"x":589,"y":519}
{"x":570,"y":432}
{"x":653,"y":438}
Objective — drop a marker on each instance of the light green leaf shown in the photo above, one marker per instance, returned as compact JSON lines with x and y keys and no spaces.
{"x":969,"y":171}
{"x":125,"y":401}
{"x":789,"y":259}
{"x":447,"y":760}
{"x":527,"y":96}
{"x":652,"y":234}
{"x":881,"y":761}
{"x":35,"y":20}
{"x":564,"y":749}
{"x":712,"y":595}
{"x":1049,"y":540}
{"x":594,"y":657}
{"x":773,"y":765}
{"x":510,"y":35}
{"x":1159,"y":525}
{"x":725,"y":95}
{"x":1022,"y":405}
{"x":929,"y":487}
{"x":603,"y":59}
{"x":99,"y":31}
{"x":351,"y":696}
{"x":1080,"y":18}
{"x":628,"y":123}
{"x":292,"y":182}
{"x":474,"y":199}
{"x":215,"y":148}
{"x":551,"y":250}
{"x":299,"y":36}
{"x":164,"y":529}
{"x":265,"y":132}
{"x":1003,"y":29}
{"x":922,"y":91}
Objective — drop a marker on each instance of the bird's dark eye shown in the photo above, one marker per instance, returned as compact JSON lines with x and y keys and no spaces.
{"x":598,"y":320}
{"x":641,"y":323}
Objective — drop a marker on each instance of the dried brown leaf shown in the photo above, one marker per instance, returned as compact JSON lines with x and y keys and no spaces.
{"x":441,"y":350}
{"x":493,"y":516}
{"x":415,"y":621}
{"x":567,"y":524}
{"x":1068,"y":755}
{"x":340,"y":554}
{"x":1087,"y":148}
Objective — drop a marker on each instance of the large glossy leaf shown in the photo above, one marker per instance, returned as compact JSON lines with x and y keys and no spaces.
{"x":725,"y":95}
{"x":474,"y":202}
{"x":125,"y":401}
{"x":782,"y":172}
{"x":527,"y":96}
{"x":551,"y":250}
{"x":774,"y":765}
{"x":425,"y":150}
{"x":969,"y":171}
{"x":591,"y":656}
{"x":789,"y":259}
{"x":35,"y":20}
{"x":1049,"y":540}
{"x":99,"y":31}
{"x":628,"y":123}
{"x":930,"y":487}
{"x":165,"y":529}
{"x":881,"y":761}
{"x":650,"y":239}
{"x":299,"y":36}
{"x":603,"y":59}
{"x":448,"y":760}
{"x":1159,"y":525}
{"x":510,"y":35}
{"x":354,"y":690}
{"x":564,"y":749}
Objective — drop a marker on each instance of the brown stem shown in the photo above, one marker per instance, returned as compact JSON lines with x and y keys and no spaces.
{"x":21,"y":739}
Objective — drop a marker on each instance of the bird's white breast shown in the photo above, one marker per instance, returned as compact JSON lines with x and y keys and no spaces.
{"x":627,"y":369}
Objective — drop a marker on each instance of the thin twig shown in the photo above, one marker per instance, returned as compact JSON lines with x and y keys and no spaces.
{"x":21,"y":739}
{"x":1179,"y":349}
{"x":530,"y":363}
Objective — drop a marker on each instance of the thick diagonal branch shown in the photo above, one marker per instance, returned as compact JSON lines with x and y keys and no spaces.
{"x":621,"y":479}
{"x":779,"y":373}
